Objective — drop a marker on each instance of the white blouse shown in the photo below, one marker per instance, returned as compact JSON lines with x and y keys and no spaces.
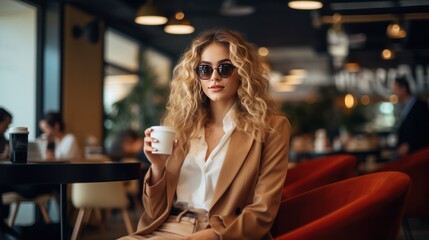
{"x":67,"y":147}
{"x":198,"y":178}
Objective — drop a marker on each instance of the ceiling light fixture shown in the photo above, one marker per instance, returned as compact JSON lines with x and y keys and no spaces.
{"x":233,"y":8}
{"x":305,"y":5}
{"x":149,"y":14}
{"x":263,"y":51}
{"x":338,"y":42}
{"x":179,"y":25}
{"x":396,"y":31}
{"x":387,"y":54}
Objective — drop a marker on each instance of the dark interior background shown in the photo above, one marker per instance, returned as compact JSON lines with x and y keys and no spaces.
{"x":274,"y":25}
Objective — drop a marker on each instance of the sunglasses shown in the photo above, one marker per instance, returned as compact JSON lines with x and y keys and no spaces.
{"x":225,"y":70}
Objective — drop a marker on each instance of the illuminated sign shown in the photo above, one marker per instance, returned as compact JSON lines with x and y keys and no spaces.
{"x":379,"y":81}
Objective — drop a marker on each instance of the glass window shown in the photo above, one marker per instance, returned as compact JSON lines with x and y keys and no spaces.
{"x":18,"y":54}
{"x":159,"y":64}
{"x":135,"y":84}
{"x":121,"y":51}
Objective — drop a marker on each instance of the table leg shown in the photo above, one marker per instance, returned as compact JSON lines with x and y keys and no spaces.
{"x":63,"y":212}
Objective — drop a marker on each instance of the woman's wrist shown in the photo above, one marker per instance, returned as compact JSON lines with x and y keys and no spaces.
{"x":157,"y":173}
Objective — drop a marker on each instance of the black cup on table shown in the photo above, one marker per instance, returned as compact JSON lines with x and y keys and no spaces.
{"x":18,"y":143}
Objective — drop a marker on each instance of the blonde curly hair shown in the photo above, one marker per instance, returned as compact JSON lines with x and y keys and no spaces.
{"x":188,"y":107}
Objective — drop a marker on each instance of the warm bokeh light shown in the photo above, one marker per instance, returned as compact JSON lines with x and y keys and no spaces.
{"x":394,"y":99}
{"x":149,"y":14}
{"x":179,"y":25}
{"x":352,"y":67}
{"x":349,"y":101}
{"x":387,"y":54}
{"x":180,"y":15}
{"x":305,"y":5}
{"x":284,"y":87}
{"x":292,"y":79}
{"x":263,"y":51}
{"x":396,"y":31}
{"x":151,"y":20}
{"x":298,"y":72}
{"x":365,"y":99}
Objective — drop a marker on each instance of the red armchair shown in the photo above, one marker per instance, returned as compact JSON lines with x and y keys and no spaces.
{"x":416,"y":166}
{"x":318,"y":172}
{"x":366,"y":207}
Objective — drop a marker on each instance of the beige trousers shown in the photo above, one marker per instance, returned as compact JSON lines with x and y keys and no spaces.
{"x":177,"y":227}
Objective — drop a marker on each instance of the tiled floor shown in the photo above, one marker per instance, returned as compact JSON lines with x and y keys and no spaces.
{"x":419,"y":228}
{"x":117,"y":229}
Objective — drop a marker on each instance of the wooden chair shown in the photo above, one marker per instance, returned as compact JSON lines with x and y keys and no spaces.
{"x":41,"y":201}
{"x":366,"y":207}
{"x":88,"y":197}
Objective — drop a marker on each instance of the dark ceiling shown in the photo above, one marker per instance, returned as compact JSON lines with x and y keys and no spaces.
{"x":274,"y":24}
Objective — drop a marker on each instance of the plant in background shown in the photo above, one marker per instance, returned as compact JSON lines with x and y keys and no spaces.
{"x":326,"y":112}
{"x":141,"y":108}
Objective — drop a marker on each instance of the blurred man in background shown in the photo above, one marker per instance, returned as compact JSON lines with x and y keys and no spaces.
{"x":413,"y":129}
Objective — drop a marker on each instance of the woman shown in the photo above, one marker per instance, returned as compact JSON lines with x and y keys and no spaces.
{"x":225,"y":176}
{"x":5,"y":121}
{"x":66,"y":145}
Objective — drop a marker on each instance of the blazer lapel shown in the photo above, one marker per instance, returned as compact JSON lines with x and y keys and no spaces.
{"x":239,"y":146}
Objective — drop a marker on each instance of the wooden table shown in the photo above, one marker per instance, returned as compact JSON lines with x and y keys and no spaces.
{"x":64,"y":172}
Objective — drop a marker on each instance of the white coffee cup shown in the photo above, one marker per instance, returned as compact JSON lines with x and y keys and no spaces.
{"x":165,"y":136}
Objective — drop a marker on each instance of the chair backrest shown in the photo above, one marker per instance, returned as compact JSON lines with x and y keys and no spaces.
{"x":99,"y":195}
{"x":318,"y":172}
{"x":366,"y":207}
{"x":416,"y":165}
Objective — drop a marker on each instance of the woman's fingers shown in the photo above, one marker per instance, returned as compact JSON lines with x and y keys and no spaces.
{"x":175,"y":143}
{"x":148,"y":140}
{"x":147,"y":131}
{"x":148,"y":144}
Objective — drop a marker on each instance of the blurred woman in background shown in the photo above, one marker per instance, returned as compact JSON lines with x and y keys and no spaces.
{"x":66,"y":145}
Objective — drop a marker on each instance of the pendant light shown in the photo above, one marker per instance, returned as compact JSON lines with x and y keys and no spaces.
{"x":396,"y":31}
{"x":388,"y":54}
{"x":305,"y":5}
{"x":149,"y":14}
{"x":178,"y":24}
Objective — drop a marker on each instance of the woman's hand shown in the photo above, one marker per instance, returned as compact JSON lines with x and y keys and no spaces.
{"x":157,"y":160}
{"x":5,"y":154}
{"x":207,"y":234}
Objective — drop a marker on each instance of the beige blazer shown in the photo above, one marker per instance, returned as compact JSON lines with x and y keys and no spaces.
{"x":248,"y":191}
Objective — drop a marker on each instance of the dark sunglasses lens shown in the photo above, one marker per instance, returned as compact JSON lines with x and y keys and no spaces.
{"x":225,"y":70}
{"x":204,"y":71}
